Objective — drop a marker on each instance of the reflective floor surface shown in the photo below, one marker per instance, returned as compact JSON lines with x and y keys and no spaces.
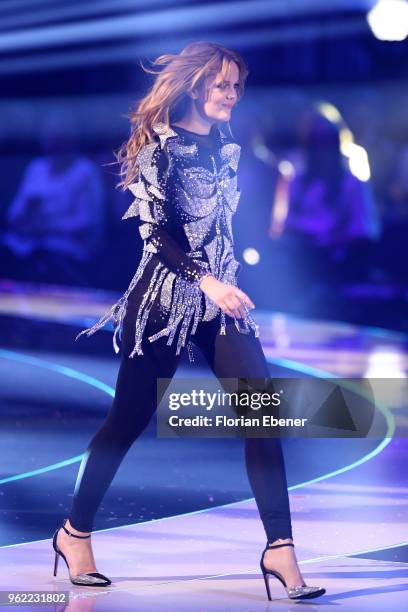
{"x":184,"y":534}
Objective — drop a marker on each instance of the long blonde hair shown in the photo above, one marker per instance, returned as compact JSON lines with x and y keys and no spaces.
{"x":167,"y":100}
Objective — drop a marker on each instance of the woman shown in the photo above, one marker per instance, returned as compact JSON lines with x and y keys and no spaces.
{"x":182,"y":169}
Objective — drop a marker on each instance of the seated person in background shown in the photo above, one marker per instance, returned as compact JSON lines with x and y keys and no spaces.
{"x":55,"y":221}
{"x":323,"y":214}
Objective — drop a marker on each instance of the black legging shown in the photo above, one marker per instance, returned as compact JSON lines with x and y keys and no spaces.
{"x":230,"y":356}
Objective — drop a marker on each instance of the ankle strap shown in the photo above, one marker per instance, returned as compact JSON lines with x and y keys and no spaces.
{"x":73,"y":534}
{"x":279,"y":545}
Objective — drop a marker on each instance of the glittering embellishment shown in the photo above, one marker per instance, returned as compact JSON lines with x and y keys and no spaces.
{"x":145,"y":307}
{"x":132,"y":211}
{"x":198,"y":183}
{"x":190,"y":349}
{"x":150,"y":248}
{"x":230,"y":152}
{"x":228,"y":223}
{"x":145,"y":213}
{"x":211,"y":308}
{"x":222,"y":324}
{"x":167,"y":291}
{"x":211,"y":250}
{"x":156,"y":192}
{"x":180,"y":151}
{"x":195,"y":205}
{"x":302,"y":591}
{"x":197,"y":231}
{"x":231,"y":192}
{"x":186,"y":302}
{"x":164,"y":132}
{"x":201,"y":200}
{"x":88,"y":579}
{"x":139,"y":190}
{"x":145,"y":230}
{"x":145,"y":163}
{"x":117,"y":312}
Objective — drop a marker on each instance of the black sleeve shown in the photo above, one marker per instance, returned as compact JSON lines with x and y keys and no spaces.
{"x":149,"y":205}
{"x":173,"y":256}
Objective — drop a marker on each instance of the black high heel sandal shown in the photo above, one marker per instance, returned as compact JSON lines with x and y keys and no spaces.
{"x":93,"y":579}
{"x":296,"y":592}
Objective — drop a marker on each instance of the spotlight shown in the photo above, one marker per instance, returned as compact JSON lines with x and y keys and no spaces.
{"x":330,"y":112}
{"x":251,"y":256}
{"x":388,"y":20}
{"x":356,"y":154}
{"x":286,"y":168}
{"x":358,"y":161}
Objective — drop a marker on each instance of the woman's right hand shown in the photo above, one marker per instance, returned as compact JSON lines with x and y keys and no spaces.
{"x":229,"y":298}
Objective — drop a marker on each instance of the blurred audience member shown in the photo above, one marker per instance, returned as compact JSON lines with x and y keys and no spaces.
{"x":323,"y":215}
{"x":397,"y":210}
{"x":393,"y":252}
{"x":55,"y":222}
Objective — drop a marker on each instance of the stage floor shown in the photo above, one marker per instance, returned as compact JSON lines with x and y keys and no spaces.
{"x":187,"y":534}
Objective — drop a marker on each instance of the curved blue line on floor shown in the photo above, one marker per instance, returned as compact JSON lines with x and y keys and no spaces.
{"x":294,"y":365}
{"x":300,"y":367}
{"x":389,"y":418}
{"x":65,"y":371}
{"x":357,"y":552}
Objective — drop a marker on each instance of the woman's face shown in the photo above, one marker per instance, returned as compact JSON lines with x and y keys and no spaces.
{"x":222,"y":96}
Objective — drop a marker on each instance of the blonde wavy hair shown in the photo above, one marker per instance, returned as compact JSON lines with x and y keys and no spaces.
{"x":167,"y":100}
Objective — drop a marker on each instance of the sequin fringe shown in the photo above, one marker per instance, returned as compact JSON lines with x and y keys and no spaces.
{"x":117,"y":312}
{"x":148,"y":299}
{"x":186,"y":304}
{"x":185,"y":310}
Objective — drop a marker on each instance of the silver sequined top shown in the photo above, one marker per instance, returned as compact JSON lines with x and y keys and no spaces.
{"x":185,"y":198}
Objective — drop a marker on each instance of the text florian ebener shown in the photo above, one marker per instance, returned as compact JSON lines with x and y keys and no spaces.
{"x":210,"y":401}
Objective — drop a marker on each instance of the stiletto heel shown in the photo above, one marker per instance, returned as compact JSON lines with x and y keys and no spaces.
{"x":94,"y":579}
{"x":296,"y":592}
{"x":266,"y":578}
{"x":56,"y":564}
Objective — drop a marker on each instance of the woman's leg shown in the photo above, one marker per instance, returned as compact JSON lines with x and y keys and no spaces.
{"x":133,"y":406}
{"x":236,"y":355}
